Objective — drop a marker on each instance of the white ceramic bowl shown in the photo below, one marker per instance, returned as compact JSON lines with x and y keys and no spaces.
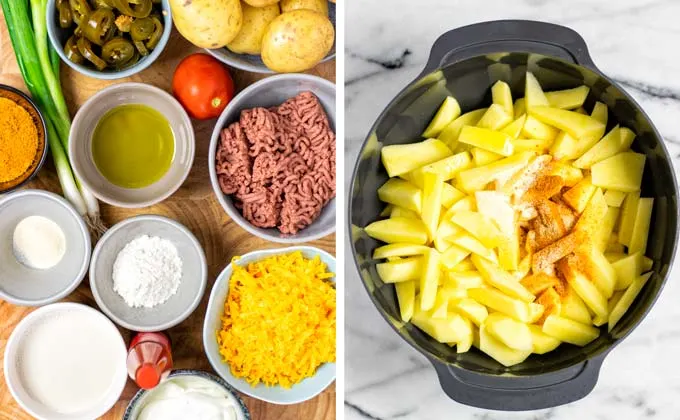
{"x":85,"y":122}
{"x":269,"y":92}
{"x":303,"y":391}
{"x":21,"y":285}
{"x":167,"y":314}
{"x":139,"y":400}
{"x":13,"y":377}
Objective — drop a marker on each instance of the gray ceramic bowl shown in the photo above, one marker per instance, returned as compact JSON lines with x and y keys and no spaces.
{"x":58,"y":37}
{"x":303,"y":391}
{"x":139,"y":400}
{"x":253,"y":63}
{"x":174,"y":310}
{"x":20,"y":285}
{"x":85,"y":122}
{"x":269,"y":92}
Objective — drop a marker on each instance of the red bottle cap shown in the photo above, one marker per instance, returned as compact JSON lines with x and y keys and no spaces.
{"x":147,"y":376}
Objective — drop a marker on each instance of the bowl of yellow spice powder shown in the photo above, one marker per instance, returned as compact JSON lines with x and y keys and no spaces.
{"x":23,"y":146}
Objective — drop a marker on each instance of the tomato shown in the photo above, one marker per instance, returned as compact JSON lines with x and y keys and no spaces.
{"x":203,"y":86}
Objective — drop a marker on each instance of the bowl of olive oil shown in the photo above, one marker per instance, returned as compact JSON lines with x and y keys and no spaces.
{"x":132,"y":145}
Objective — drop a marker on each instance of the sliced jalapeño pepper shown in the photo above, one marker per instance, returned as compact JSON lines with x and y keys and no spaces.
{"x":85,"y":48}
{"x":65,"y":14}
{"x":71,"y":51}
{"x":80,"y":9}
{"x":148,"y":30}
{"x":98,"y":26}
{"x":118,"y":51}
{"x":134,"y":8}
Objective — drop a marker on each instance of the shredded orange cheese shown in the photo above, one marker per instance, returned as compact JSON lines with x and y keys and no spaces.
{"x":279,"y":320}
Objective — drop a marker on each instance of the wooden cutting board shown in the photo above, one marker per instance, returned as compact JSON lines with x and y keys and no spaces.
{"x":193,"y":205}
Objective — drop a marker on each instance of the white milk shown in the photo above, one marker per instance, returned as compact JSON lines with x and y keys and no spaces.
{"x":68,"y":361}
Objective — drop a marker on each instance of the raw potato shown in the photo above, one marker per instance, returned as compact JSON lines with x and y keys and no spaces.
{"x":255,"y":22}
{"x":261,"y":3}
{"x":519,"y":228}
{"x":319,"y":6}
{"x":296,"y":41}
{"x":207,"y":23}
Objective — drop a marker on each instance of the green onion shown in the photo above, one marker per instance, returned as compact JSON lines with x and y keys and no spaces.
{"x":39,"y":65}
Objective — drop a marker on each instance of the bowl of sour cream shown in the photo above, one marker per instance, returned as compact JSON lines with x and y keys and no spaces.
{"x":188,"y":394}
{"x":65,"y":361}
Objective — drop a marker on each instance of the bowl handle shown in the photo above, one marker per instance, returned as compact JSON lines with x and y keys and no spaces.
{"x":508,"y":35}
{"x":519,"y":393}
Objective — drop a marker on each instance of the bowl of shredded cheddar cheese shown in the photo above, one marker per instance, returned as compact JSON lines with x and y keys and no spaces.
{"x":270,"y":325}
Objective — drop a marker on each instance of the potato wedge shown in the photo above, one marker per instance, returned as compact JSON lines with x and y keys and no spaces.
{"x":643,"y":218}
{"x":447,"y":330}
{"x":398,"y":211}
{"x":509,"y":331}
{"x":493,"y":141}
{"x":577,"y":125}
{"x":470,"y":309}
{"x":406,"y":297}
{"x":607,"y":147}
{"x":627,"y":269}
{"x":402,"y":270}
{"x":466,"y":339}
{"x":564,"y":146}
{"x":429,"y":279}
{"x":536,"y":129}
{"x":628,"y":215}
{"x":499,"y":351}
{"x":502,"y":96}
{"x":447,"y":112}
{"x":627,"y":299}
{"x":586,"y":290}
{"x":447,"y":168}
{"x":574,"y":308}
{"x":470,"y":243}
{"x":498,"y":301}
{"x":568,"y":98}
{"x":607,"y":228}
{"x":483,"y":157}
{"x":398,"y":230}
{"x":453,"y":256}
{"x":501,"y":279}
{"x":614,"y":198}
{"x":578,"y":196}
{"x":542,"y":342}
{"x":479,"y":226}
{"x":621,"y":172}
{"x":450,"y":134}
{"x":569,"y":331}
{"x":432,"y":202}
{"x":401,"y":158}
{"x":533,"y":93}
{"x":514,"y":129}
{"x":476,"y":179}
{"x":399,"y":250}
{"x":495,"y":118}
{"x":401,"y":193}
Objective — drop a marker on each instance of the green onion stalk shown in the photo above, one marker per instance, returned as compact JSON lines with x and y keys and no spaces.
{"x":39,"y":65}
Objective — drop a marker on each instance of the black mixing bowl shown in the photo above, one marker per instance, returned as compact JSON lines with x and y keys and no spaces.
{"x":465,"y":63}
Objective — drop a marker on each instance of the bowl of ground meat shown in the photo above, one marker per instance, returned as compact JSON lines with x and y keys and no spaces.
{"x":272,"y":158}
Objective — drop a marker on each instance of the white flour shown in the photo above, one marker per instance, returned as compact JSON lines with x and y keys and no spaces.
{"x":147,"y":271}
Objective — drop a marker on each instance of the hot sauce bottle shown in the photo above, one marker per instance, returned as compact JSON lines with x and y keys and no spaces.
{"x":149,"y":359}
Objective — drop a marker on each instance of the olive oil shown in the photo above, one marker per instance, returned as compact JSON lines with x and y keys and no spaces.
{"x":133,"y":146}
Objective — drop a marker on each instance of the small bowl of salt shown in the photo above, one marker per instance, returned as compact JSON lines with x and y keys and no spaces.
{"x":148,"y":273}
{"x":44,"y":248}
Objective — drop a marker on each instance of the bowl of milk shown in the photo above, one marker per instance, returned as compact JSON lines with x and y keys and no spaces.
{"x":65,"y":361}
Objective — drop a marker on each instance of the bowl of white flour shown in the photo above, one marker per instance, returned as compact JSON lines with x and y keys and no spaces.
{"x":148,"y":273}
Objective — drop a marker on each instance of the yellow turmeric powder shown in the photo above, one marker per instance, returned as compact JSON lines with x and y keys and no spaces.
{"x":18,"y":140}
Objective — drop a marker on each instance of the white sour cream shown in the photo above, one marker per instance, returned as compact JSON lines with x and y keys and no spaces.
{"x":188,"y":397}
{"x":68,"y":361}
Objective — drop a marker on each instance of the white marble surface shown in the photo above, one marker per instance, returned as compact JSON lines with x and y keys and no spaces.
{"x":387,"y":43}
